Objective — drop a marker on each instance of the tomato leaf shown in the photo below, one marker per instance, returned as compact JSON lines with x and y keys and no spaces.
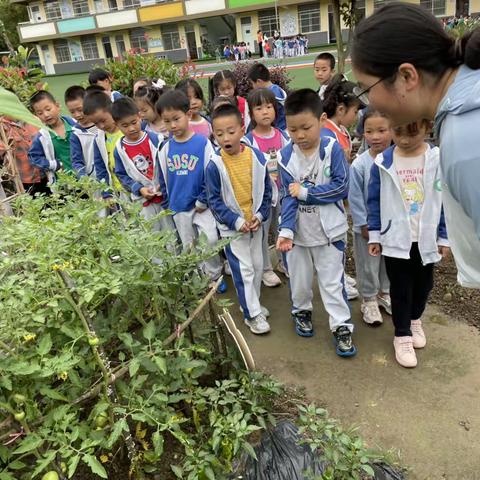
{"x":95,"y":465}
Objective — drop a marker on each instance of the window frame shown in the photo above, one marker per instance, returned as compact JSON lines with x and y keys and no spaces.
{"x":273,"y":21}
{"x":170,"y":38}
{"x":48,"y":10}
{"x":90,"y":42}
{"x":305,"y":11}
{"x":58,"y":46}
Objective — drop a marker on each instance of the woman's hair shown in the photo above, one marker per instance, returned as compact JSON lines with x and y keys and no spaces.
{"x":338,"y":92}
{"x":217,"y":79}
{"x":187,"y":83}
{"x":258,"y":97}
{"x":150,"y":94}
{"x":405,"y":33}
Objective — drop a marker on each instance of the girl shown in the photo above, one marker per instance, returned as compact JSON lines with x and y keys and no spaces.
{"x":224,"y":83}
{"x":146,"y":98}
{"x":405,"y":222}
{"x":341,"y":106}
{"x":269,"y":140}
{"x":141,"y":82}
{"x":372,"y":278}
{"x":410,"y":68}
{"x":198,"y":123}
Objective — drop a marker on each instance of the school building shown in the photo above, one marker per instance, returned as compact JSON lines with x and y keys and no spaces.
{"x":73,"y":35}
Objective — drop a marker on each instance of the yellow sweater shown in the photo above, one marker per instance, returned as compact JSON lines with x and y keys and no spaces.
{"x":239,"y":168}
{"x":111,"y":140}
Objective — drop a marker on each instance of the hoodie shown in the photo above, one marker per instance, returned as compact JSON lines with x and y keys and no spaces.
{"x":457,"y":127}
{"x":280,"y":97}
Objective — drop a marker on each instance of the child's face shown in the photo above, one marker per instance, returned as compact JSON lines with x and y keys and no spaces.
{"x":131,"y":127}
{"x":75,"y":107}
{"x":47,"y":111}
{"x":304,"y":129}
{"x":103,"y":120}
{"x":264,"y":114}
{"x":410,"y":137}
{"x":196,"y":104}
{"x":176,"y":122}
{"x":323,"y":71}
{"x":106,"y":84}
{"x":226,"y":88}
{"x":146,"y":111}
{"x":228,"y":132}
{"x":378,"y":134}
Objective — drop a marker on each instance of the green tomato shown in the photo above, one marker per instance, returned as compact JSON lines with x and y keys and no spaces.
{"x":101,"y":420}
{"x":17,"y":398}
{"x":93,"y":341}
{"x":52,"y":475}
{"x":19,"y":416}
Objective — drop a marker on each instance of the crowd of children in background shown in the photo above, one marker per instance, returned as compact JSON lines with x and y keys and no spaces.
{"x":271,"y":166}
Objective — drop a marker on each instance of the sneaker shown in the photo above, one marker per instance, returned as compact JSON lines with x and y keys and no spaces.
{"x":418,"y":335}
{"x":404,"y":352}
{"x":352,"y":292}
{"x":371,"y":312}
{"x":350,"y":281}
{"x":282,"y":269}
{"x":228,"y":270}
{"x":264,"y":310}
{"x":222,"y":288}
{"x":303,"y":323}
{"x":343,"y":342}
{"x":270,"y":279}
{"x":258,"y":325}
{"x":385,"y":302}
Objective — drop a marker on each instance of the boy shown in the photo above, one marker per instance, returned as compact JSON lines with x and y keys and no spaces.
{"x":314,"y":176}
{"x":182,"y":160}
{"x":259,"y":77}
{"x":103,"y":79}
{"x":50,"y":150}
{"x":83,"y":133}
{"x":240,"y":197}
{"x":324,"y":70}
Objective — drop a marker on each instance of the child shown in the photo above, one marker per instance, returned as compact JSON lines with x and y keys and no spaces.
{"x":224,"y":83}
{"x":406,"y":224}
{"x":240,"y":197}
{"x":50,"y":150}
{"x":141,"y":82}
{"x":324,"y":70}
{"x":371,"y":275}
{"x":269,"y":140}
{"x":83,"y":134}
{"x":314,"y":178}
{"x":146,"y":98}
{"x":198,"y":123}
{"x":259,"y":77}
{"x":104,"y":79}
{"x":182,"y":163}
{"x":278,"y":48}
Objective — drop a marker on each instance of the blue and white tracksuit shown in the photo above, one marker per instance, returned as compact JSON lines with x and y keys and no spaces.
{"x":81,"y":151}
{"x":244,"y":253}
{"x":317,"y":224}
{"x":280,"y":97}
{"x":371,"y":274}
{"x":182,"y":182}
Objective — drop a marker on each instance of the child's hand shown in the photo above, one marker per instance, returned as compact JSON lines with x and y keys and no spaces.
{"x":374,"y":249}
{"x":254,"y":224}
{"x":444,"y":251}
{"x":294,"y":189}
{"x":365,"y":232}
{"x":245,"y":228}
{"x":147,"y":192}
{"x":284,"y":244}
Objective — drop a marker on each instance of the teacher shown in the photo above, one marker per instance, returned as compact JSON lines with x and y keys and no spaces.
{"x":410,"y":68}
{"x":260,"y":43}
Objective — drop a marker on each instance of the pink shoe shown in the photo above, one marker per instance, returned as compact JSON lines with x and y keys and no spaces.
{"x":404,"y":352}
{"x":418,"y":335}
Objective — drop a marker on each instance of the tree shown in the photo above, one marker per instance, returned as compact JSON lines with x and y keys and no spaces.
{"x":12,"y":15}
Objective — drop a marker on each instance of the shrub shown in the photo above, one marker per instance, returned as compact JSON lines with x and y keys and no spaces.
{"x":135,"y":65}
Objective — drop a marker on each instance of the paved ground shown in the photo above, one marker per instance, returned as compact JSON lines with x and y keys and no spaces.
{"x":430,"y":414}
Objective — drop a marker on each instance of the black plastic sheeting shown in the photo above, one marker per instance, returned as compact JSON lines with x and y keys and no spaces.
{"x":280,"y":457}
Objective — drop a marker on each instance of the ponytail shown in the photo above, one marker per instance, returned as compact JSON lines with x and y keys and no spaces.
{"x":338,"y":92}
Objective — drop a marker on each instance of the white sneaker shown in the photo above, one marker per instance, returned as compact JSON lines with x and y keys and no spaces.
{"x":385,"y":302}
{"x":371,"y":312}
{"x":352,"y":292}
{"x":258,"y":325}
{"x":264,"y":310}
{"x":350,"y":281}
{"x":228,"y":270}
{"x":404,"y":352}
{"x":270,"y":279}
{"x":418,"y":335}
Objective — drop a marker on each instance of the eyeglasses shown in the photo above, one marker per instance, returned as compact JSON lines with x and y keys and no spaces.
{"x":362,"y":94}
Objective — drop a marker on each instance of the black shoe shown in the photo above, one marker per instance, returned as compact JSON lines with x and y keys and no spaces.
{"x":303,"y":323}
{"x":343,"y":342}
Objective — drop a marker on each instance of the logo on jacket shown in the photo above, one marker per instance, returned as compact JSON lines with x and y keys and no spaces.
{"x":438,"y":185}
{"x":142,"y":163}
{"x":327,"y":171}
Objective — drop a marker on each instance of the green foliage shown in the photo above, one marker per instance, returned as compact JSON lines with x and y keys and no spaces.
{"x":343,"y":450}
{"x":83,"y":298}
{"x":12,"y":15}
{"x":135,"y":65}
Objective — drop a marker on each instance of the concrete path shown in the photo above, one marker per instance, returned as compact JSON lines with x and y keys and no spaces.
{"x":430,"y":414}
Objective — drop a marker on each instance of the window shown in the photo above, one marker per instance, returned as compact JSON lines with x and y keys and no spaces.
{"x":437,"y":7}
{"x":131,"y":3}
{"x":89,"y":47}
{"x":80,"y":7}
{"x":268,"y":22}
{"x":309,"y":17}
{"x":120,"y":45}
{"x":52,"y":10}
{"x":170,"y":37}
{"x":62,"y":51}
{"x":138,"y":40}
{"x":360,"y":10}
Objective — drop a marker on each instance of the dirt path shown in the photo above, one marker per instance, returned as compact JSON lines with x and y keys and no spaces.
{"x":430,"y":414}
